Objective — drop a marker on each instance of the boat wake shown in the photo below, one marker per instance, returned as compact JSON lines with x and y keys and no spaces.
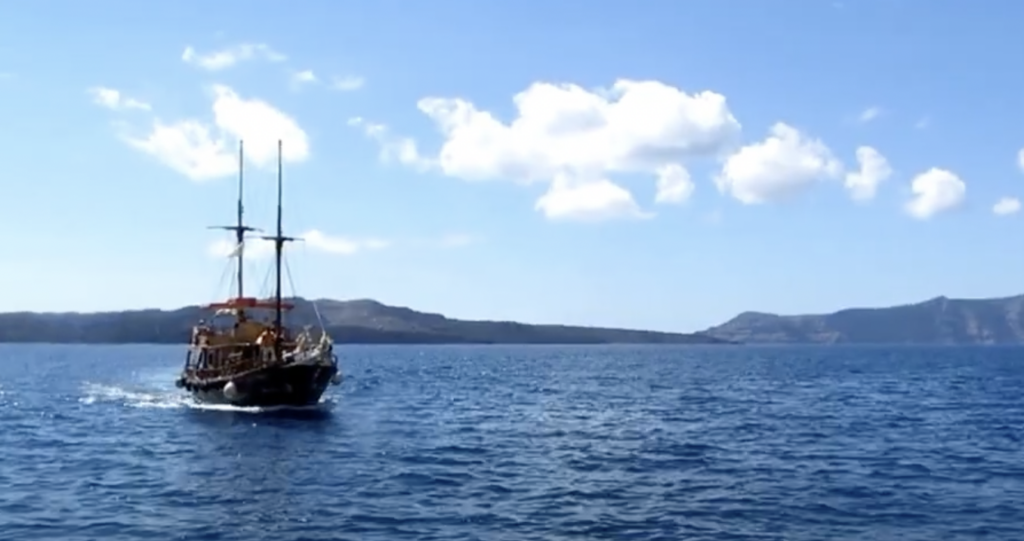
{"x":96,"y":393}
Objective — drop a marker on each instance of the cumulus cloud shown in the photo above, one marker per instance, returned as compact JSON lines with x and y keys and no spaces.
{"x":203,"y":151}
{"x":935,"y":191}
{"x":674,"y":184}
{"x":113,"y":99}
{"x":570,"y":198}
{"x":229,"y":56}
{"x":404,"y":150}
{"x":862,"y":185}
{"x":777,"y":168}
{"x":575,"y":140}
{"x":1006,"y":206}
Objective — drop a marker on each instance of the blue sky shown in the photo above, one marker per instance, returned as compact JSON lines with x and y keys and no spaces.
{"x":433,"y":204}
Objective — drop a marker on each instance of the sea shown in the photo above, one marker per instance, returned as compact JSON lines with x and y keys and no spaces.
{"x":523,"y":443}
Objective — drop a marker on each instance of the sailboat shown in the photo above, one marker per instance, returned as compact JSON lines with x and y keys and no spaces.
{"x":246,"y":355}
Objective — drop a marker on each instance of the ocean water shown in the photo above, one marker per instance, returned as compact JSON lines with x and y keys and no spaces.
{"x":517,"y":443}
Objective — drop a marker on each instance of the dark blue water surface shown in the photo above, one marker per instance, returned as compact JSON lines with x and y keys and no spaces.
{"x":551,"y":443}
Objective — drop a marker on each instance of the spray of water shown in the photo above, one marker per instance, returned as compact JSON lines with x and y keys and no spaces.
{"x":97,"y":393}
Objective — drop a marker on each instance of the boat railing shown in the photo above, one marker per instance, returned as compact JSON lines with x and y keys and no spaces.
{"x":226,"y":359}
{"x":234,"y":366}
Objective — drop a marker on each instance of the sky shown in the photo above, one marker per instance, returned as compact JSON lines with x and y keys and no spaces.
{"x":662,"y":165}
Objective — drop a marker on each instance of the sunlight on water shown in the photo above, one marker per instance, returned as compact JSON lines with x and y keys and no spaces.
{"x":94,"y":393}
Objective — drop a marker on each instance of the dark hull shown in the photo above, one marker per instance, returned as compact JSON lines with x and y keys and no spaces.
{"x":296,"y":385}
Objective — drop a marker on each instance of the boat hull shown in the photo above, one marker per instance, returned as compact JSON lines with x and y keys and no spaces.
{"x":289,"y":385}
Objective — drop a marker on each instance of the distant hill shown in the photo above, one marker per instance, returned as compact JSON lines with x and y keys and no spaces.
{"x":355,"y":321}
{"x":937,"y":321}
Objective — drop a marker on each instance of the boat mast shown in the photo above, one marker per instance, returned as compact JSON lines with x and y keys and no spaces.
{"x":239,"y":228}
{"x":279,"y":247}
{"x":239,"y":231}
{"x":279,"y":240}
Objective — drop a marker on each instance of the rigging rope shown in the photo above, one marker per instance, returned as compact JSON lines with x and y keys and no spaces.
{"x":316,"y":309}
{"x":220,"y":282}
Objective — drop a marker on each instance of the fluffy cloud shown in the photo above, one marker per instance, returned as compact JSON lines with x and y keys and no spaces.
{"x":114,"y":100}
{"x":401,"y":149}
{"x":349,"y":83}
{"x":575,"y":139}
{"x":935,"y":191}
{"x":874,"y":169}
{"x":570,"y":198}
{"x":674,"y":184}
{"x":257,"y":248}
{"x":784,"y":164}
{"x":1020,"y":159}
{"x":1006,"y":206}
{"x":202,"y":151}
{"x":225,"y":58}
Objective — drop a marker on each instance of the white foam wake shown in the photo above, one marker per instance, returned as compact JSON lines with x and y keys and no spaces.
{"x":94,"y":393}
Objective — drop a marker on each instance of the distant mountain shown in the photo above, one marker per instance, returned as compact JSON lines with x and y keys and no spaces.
{"x":356,"y":321}
{"x":937,"y":321}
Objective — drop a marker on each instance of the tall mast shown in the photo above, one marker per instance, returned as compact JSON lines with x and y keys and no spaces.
{"x":239,"y":228}
{"x":279,"y":240}
{"x":239,"y":231}
{"x":279,"y":246}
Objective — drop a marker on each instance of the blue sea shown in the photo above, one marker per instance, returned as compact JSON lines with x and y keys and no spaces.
{"x":522,"y":443}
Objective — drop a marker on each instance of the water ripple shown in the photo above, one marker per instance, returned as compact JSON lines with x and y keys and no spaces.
{"x":637,"y":443}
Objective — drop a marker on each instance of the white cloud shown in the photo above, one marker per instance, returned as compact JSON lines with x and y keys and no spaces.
{"x":113,"y":99}
{"x":781,"y":166}
{"x":201,"y":151}
{"x":303,"y":77}
{"x":225,"y":58}
{"x":1006,"y":206}
{"x":674,"y":184}
{"x":259,"y":248}
{"x":341,"y":245}
{"x":869,"y":114}
{"x":575,"y":139}
{"x":1020,"y":159}
{"x":348,"y":83}
{"x":401,"y":149}
{"x":935,"y":191}
{"x":570,"y":199}
{"x":874,"y":169}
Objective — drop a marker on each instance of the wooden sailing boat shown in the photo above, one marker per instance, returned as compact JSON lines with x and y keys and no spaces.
{"x":253,"y":358}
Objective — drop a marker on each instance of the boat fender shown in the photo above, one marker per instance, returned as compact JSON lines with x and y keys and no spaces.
{"x":231,"y":391}
{"x":336,"y":379}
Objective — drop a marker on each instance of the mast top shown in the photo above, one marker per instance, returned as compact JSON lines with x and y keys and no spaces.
{"x":240,"y":228}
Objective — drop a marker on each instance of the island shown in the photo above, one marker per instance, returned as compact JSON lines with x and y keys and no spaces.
{"x":360,"y":321}
{"x":938,"y":321}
